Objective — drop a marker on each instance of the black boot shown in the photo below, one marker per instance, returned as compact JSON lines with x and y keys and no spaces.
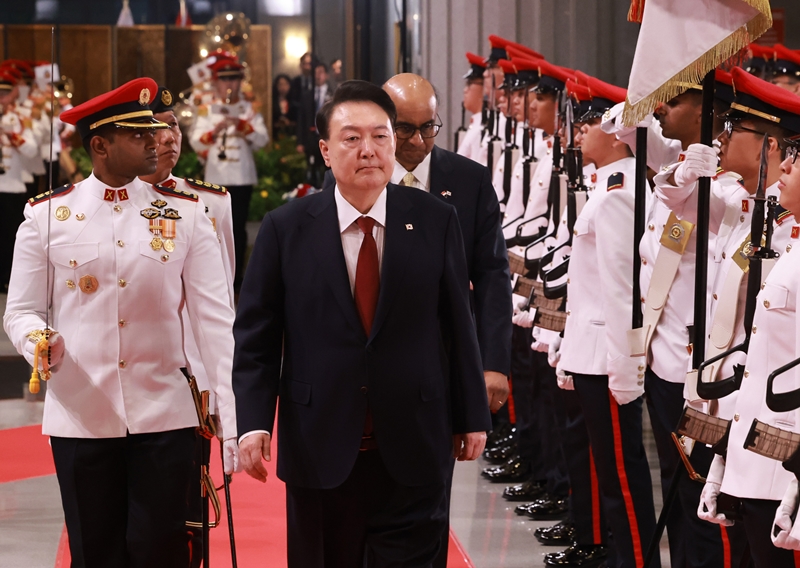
{"x":528,"y":491}
{"x":562,"y":534}
{"x":578,"y":556}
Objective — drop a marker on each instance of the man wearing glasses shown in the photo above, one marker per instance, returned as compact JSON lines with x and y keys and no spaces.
{"x":467,"y":186}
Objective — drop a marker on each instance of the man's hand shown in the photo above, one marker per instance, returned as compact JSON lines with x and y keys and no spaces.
{"x":467,"y":447}
{"x":251,"y":450}
{"x":496,"y":389}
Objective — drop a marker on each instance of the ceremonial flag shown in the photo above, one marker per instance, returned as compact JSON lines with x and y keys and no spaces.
{"x":680,"y":41}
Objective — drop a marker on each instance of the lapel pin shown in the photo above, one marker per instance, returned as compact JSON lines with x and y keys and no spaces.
{"x":446,"y":194}
{"x":409,"y":227}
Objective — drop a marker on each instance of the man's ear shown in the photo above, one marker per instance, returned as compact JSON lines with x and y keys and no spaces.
{"x":99,"y":146}
{"x":323,"y":148}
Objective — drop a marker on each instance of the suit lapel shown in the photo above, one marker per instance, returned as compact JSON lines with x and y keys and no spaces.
{"x":399,"y":239}
{"x":441,"y":169}
{"x":327,"y":245}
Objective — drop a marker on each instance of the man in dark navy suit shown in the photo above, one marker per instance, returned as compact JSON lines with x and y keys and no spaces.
{"x":355,"y":312}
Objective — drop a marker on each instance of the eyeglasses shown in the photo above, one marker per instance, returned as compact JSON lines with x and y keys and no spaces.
{"x":731,"y":127}
{"x":428,"y":130}
{"x":791,"y":153}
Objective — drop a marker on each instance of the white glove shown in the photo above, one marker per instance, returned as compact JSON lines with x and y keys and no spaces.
{"x":564,"y":380}
{"x":554,"y":352}
{"x":524,"y":318}
{"x":230,"y":456}
{"x":783,"y":519}
{"x":707,"y":509}
{"x":700,"y":161}
{"x":10,"y":123}
{"x":540,"y":340}
{"x":56,"y":351}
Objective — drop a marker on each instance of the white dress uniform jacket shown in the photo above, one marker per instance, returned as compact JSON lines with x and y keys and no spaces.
{"x":599,"y":290}
{"x":471,"y":142}
{"x":117,"y":303}
{"x":17,"y":144}
{"x":247,"y":136}
{"x":516,"y":211}
{"x":747,"y":474}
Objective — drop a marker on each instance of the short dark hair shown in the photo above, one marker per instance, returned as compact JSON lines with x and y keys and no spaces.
{"x":354,"y":92}
{"x":106,"y":131}
{"x":321,"y":64}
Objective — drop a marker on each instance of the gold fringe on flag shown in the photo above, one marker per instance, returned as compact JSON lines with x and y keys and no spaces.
{"x":636,"y":11}
{"x":697,"y":70}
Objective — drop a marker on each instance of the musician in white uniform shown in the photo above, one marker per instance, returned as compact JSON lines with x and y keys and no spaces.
{"x":226,"y":134}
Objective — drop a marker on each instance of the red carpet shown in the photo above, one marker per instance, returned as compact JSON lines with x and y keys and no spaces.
{"x":258,"y":509}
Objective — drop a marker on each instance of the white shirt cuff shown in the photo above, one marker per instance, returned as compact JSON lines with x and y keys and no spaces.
{"x":251,"y":432}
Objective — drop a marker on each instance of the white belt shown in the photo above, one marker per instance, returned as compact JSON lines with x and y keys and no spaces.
{"x":674,"y":240}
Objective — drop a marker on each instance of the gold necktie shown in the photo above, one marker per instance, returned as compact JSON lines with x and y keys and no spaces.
{"x":409,"y":180}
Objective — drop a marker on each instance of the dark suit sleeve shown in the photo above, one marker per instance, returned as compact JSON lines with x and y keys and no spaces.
{"x":470,"y":407}
{"x":258,"y":332}
{"x":492,"y":282}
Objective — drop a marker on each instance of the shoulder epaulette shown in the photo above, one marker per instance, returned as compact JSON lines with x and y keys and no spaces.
{"x":616,"y":180}
{"x":782,"y":215}
{"x":57,"y":192}
{"x":205,"y":186}
{"x":175,"y":192}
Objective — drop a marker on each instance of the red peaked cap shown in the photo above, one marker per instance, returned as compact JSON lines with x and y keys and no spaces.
{"x":224,"y":67}
{"x":581,"y":99}
{"x":527,"y":70}
{"x":498,"y":48}
{"x":477,"y":65}
{"x":582,"y":78}
{"x":125,"y":106}
{"x":762,"y":51}
{"x":515,"y":54}
{"x":509,"y":73}
{"x":10,"y":70}
{"x":758,"y":98}
{"x":552,"y":77}
{"x":723,"y":86}
{"x":787,"y":62}
{"x":604,"y":96}
{"x":7,"y":80}
{"x":523,"y":49}
{"x":22,"y":66}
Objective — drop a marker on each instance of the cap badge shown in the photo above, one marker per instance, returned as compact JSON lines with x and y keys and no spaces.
{"x":166,"y":97}
{"x":144,"y":97}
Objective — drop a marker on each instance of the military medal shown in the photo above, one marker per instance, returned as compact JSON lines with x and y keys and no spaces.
{"x":155,"y":228}
{"x":168,"y":231}
{"x":62,"y":213}
{"x":88,"y":284}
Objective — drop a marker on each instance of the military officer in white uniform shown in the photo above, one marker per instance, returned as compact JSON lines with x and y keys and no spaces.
{"x":125,"y":257}
{"x":759,"y":482}
{"x":218,"y":208}
{"x":226,"y":134}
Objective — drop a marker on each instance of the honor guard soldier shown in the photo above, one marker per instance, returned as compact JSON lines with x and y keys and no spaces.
{"x":227,"y":132}
{"x":609,"y":384}
{"x":125,"y":257}
{"x":217,"y":203}
{"x":474,"y":104}
{"x":757,"y":483}
{"x":17,"y":143}
{"x":786,"y":69}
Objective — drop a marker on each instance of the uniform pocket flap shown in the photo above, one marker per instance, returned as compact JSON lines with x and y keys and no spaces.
{"x":75,"y":254}
{"x":773,"y":297}
{"x":581,"y":227}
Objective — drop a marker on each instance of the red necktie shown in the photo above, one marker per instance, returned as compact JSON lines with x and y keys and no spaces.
{"x":368,"y":280}
{"x":367,"y":288}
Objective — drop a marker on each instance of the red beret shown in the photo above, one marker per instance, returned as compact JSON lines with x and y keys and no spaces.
{"x":125,"y":106}
{"x":759,"y":98}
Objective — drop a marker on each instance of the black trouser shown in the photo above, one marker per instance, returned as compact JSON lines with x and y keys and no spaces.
{"x":368,"y":521}
{"x":585,"y":506}
{"x":759,"y":515}
{"x":615,"y":435}
{"x":526,"y":390}
{"x":12,"y":206}
{"x":693,"y":542}
{"x":240,"y":206}
{"x":202,"y":447}
{"x":124,"y":499}
{"x":550,"y":424}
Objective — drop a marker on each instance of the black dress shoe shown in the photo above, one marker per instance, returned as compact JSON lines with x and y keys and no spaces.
{"x":512,"y":470}
{"x":499,"y":454}
{"x":578,"y":556}
{"x":528,"y":491}
{"x":562,"y":534}
{"x":502,"y":431}
{"x":548,"y":509}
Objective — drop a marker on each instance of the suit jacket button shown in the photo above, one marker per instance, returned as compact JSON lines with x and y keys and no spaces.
{"x":364,"y":390}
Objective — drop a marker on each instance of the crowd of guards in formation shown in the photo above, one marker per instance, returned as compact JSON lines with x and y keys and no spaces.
{"x":604,"y":315}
